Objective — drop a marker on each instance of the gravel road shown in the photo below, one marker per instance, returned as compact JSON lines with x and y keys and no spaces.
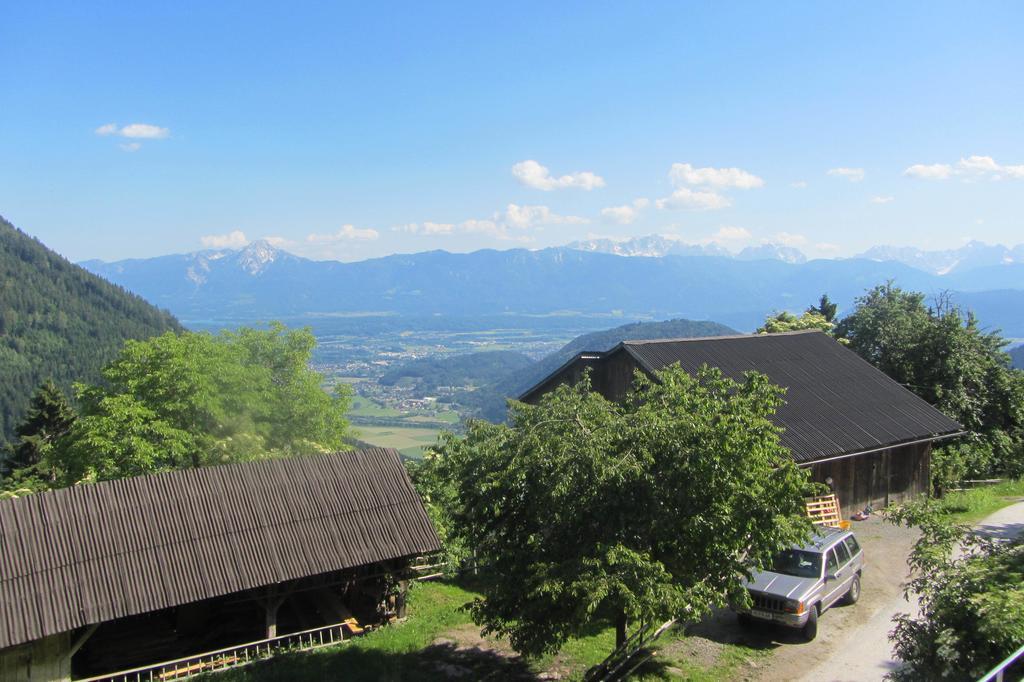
{"x":866,"y":653}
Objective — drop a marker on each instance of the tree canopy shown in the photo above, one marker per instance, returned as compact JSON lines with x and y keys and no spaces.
{"x":788,"y":322}
{"x":947,"y":358}
{"x":192,"y":399}
{"x":821,"y":317}
{"x":971,"y":594}
{"x":582,"y":509}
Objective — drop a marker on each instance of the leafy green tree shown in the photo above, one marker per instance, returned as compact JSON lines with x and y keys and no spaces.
{"x":945,"y":357}
{"x":788,"y":322}
{"x":971,"y":593}
{"x":181,"y":400}
{"x":582,"y":509}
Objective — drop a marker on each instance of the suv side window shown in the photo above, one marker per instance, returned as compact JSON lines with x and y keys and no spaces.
{"x":832,"y":564}
{"x":842,"y":553}
{"x":851,"y":544}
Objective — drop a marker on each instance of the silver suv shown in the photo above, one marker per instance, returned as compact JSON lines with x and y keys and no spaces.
{"x":804,"y":581}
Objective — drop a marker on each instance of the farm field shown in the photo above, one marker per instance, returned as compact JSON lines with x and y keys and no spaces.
{"x":408,"y":440}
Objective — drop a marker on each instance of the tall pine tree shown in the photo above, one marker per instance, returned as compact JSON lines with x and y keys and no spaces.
{"x":49,"y":417}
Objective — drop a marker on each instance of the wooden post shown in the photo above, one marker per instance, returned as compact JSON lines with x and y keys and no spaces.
{"x":271,"y":604}
{"x":620,"y":629}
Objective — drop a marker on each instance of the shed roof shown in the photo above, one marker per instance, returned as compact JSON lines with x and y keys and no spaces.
{"x":836,"y":403}
{"x":93,"y":553}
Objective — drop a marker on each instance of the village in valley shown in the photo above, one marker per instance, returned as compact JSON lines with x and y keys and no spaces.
{"x":660,"y":342}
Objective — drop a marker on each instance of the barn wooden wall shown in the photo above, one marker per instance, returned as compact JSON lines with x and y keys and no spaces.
{"x":879,"y":478}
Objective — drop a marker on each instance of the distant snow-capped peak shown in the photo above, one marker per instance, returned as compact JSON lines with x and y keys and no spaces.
{"x":255,"y":257}
{"x":973,"y":254}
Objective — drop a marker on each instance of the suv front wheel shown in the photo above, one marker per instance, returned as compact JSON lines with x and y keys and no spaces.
{"x":810,"y":630}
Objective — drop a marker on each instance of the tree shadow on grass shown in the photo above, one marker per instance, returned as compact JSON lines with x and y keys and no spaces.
{"x":441,"y":661}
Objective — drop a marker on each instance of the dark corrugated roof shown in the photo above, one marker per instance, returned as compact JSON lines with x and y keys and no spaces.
{"x":836,"y":403}
{"x":92,"y":553}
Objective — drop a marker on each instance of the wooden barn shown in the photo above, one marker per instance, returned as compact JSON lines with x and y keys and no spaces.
{"x":842,"y":418}
{"x":115,"y":575}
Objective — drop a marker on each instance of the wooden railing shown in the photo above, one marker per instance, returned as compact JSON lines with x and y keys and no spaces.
{"x":229,"y":657}
{"x":998,"y":674}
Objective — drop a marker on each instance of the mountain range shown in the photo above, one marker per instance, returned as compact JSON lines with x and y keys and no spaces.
{"x":261,"y":282}
{"x":972,"y":255}
{"x":658,"y":246}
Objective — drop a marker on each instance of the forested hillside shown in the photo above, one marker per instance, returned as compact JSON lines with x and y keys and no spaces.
{"x":476,"y":369}
{"x":1017,"y":356}
{"x":58,"y":320}
{"x":489,"y":401}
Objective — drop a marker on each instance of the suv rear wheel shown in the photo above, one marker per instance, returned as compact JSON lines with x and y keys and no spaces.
{"x":853,"y":594}
{"x":810,"y":630}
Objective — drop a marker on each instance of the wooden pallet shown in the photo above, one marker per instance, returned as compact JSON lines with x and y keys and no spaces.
{"x":825,"y":510}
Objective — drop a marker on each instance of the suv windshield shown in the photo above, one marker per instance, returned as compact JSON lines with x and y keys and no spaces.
{"x":798,"y":562}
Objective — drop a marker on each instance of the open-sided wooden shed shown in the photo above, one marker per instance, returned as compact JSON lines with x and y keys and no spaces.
{"x":842,"y":418}
{"x":189,"y":559}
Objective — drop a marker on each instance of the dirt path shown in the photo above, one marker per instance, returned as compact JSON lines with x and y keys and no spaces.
{"x":886,"y":548}
{"x":852,"y":642}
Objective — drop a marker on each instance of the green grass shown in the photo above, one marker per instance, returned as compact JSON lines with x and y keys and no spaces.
{"x":364,"y":407}
{"x":408,"y":440}
{"x":422,"y":648}
{"x":448,"y":417}
{"x":395,"y":652}
{"x":969,"y":506}
{"x":732,"y":661}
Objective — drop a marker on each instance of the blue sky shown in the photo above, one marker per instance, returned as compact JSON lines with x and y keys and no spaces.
{"x":138,"y":129}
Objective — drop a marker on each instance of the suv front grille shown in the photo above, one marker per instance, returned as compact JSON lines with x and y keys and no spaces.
{"x":765,"y":603}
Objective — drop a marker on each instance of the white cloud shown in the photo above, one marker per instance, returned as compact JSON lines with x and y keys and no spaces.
{"x":427,"y":228}
{"x":491,"y":227}
{"x":143,"y":131}
{"x":277,"y":241}
{"x":525,"y":217}
{"x":883,"y":199}
{"x":934,"y":171}
{"x":507,"y":225}
{"x":799,"y":184}
{"x":978,"y":164}
{"x":789,"y":239}
{"x":533,"y":174}
{"x":345,"y":233}
{"x":495,"y":228}
{"x":825,"y":247}
{"x":700,"y":200}
{"x":731,"y":233}
{"x":133,"y":131}
{"x":986,"y":165}
{"x":232,"y":240}
{"x":626,"y":214}
{"x":974,"y":166}
{"x":851,"y":174}
{"x":685,"y":174}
